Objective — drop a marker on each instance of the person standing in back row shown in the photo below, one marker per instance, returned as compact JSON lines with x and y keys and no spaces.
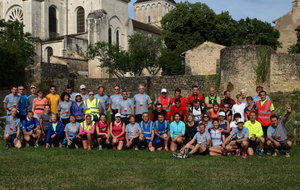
{"x":265,"y":109}
{"x":165,"y":101}
{"x":114,"y":101}
{"x":195,"y":96}
{"x":177,"y":95}
{"x":212,"y":98}
{"x":142,"y":102}
{"x":103,"y":98}
{"x":53,"y":99}
{"x":23,"y":103}
{"x":31,"y":97}
{"x":11,"y":101}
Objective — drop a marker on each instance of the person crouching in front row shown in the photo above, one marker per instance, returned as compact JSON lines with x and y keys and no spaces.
{"x":55,"y":134}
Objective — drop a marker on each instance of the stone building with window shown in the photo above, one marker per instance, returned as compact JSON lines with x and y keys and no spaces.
{"x":67,"y":27}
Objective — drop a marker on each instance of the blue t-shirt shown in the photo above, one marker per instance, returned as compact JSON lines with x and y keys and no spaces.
{"x":29,"y":125}
{"x":161,"y":128}
{"x":147,"y":130}
{"x":244,"y":133}
{"x":177,"y":128}
{"x":216,"y":136}
{"x":23,"y":104}
{"x":104,"y":100}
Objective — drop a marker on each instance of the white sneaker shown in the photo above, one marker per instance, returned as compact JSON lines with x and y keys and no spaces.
{"x":100,"y":147}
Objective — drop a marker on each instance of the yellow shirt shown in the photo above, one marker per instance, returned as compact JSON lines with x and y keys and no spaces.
{"x":272,"y":108}
{"x":254,"y":129}
{"x":53,"y":102}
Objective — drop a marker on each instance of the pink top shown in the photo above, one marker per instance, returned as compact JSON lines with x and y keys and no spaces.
{"x":85,"y":129}
{"x":103,"y":128}
{"x":117,"y":130}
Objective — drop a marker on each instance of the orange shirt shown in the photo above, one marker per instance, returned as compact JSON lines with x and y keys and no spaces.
{"x":53,"y":102}
{"x":39,"y":105}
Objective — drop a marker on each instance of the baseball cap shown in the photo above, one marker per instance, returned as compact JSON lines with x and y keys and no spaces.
{"x":222,"y":113}
{"x":163,"y":90}
{"x":240,"y":121}
{"x":69,"y":86}
{"x":82,"y":87}
{"x":77,"y":95}
{"x":32,"y":86}
{"x":118,"y":115}
{"x":243,"y":90}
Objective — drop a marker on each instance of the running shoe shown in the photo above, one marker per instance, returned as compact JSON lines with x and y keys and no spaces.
{"x":259,"y":153}
{"x":36,"y":145}
{"x":136,"y":148}
{"x":100,"y":147}
{"x":287,"y":155}
{"x":244,"y":155}
{"x":275,"y":153}
{"x":166,"y":149}
{"x":186,"y":153}
{"x":238,"y":152}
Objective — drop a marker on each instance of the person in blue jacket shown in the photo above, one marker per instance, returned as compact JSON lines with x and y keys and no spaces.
{"x":23,"y":103}
{"x":56,"y":134}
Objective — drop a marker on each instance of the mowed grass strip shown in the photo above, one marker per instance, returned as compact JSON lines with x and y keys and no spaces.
{"x":31,"y":168}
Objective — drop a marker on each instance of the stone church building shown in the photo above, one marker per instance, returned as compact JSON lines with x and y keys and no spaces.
{"x":67,"y":27}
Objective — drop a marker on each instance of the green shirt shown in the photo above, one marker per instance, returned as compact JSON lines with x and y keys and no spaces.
{"x":254,"y":129}
{"x":212,"y":99}
{"x":54,"y":125}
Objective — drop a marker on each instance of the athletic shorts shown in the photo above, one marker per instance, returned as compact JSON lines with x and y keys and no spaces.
{"x":253,"y":144}
{"x":12,"y":138}
{"x":83,"y":137}
{"x":161,"y":144}
{"x":238,"y":144}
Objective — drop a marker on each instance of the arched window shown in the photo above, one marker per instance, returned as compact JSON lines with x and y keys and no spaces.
{"x":117,"y":37}
{"x":109,"y":36}
{"x":80,"y":20}
{"x":52,"y":21}
{"x":49,"y":51}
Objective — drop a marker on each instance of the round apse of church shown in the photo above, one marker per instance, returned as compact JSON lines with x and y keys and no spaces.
{"x":15,"y":13}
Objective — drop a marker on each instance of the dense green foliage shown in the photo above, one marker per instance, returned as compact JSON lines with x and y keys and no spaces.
{"x":17,"y":50}
{"x":56,"y":168}
{"x":294,"y":49}
{"x":191,"y":24}
{"x":144,"y":53}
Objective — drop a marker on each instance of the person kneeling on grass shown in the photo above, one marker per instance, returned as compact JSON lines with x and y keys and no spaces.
{"x":133,"y":132}
{"x":217,"y":139}
{"x":161,"y":130}
{"x":277,"y":135}
{"x":12,"y":129}
{"x":102,"y":130}
{"x":200,"y":142}
{"x":238,"y":140}
{"x":31,"y":129}
{"x":147,"y":135}
{"x":256,"y":135}
{"x":117,"y":131}
{"x":86,"y":131}
{"x":72,"y":139}
{"x":177,"y":131}
{"x":55,"y":134}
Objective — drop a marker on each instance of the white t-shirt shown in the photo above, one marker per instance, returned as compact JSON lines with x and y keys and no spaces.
{"x":239,"y":108}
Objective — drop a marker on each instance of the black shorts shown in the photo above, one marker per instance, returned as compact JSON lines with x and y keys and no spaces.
{"x":206,"y":152}
{"x":83,"y":137}
{"x":161,"y":144}
{"x":265,"y":130}
{"x":12,"y":138}
{"x":253,"y":144}
{"x":238,"y":144}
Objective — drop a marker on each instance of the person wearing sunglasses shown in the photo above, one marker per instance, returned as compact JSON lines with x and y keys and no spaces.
{"x":92,"y":107}
{"x":206,"y":121}
{"x":23,"y":103}
{"x":114,"y":101}
{"x":228,"y":112}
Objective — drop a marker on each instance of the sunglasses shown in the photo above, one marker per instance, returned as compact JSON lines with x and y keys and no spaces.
{"x":205,"y":116}
{"x":116,"y":89}
{"x":226,"y":107}
{"x":91,"y":94}
{"x":21,"y":89}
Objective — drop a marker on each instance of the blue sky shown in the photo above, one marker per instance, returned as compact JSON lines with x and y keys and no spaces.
{"x":265,"y":10}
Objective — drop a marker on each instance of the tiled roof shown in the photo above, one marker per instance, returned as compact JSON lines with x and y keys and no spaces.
{"x":146,"y":27}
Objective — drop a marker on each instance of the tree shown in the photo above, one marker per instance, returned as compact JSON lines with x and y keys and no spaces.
{"x":17,"y":50}
{"x":255,"y":32}
{"x":171,"y":63}
{"x":144,"y":51}
{"x":111,"y":56}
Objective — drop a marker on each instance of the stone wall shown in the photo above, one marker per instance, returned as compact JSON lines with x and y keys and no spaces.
{"x":285,"y":72}
{"x":152,"y":84}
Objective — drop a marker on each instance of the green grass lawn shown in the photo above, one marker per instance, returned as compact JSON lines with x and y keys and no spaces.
{"x":31,"y":168}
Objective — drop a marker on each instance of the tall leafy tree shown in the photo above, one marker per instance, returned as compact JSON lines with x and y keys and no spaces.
{"x":17,"y":50}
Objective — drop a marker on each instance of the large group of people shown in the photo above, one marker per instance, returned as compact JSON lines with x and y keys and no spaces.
{"x":201,"y":125}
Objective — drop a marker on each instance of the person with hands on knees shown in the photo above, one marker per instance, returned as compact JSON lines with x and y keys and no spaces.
{"x":117,"y":131}
{"x":177,"y":132}
{"x":217,"y":146}
{"x":147,"y":135}
{"x":72,"y":139}
{"x":277,"y":138}
{"x":87,"y":129}
{"x":238,"y":140}
{"x":12,"y":129}
{"x":161,"y":133}
{"x":102,"y":131}
{"x":55,"y":134}
{"x":31,"y":129}
{"x":133,"y":132}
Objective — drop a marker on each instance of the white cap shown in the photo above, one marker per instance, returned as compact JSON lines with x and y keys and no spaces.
{"x":221,"y":113}
{"x":77,"y":95}
{"x":32,"y":86}
{"x":82,"y":87}
{"x":118,"y":115}
{"x":240,"y":121}
{"x":163,"y":90}
{"x":243,"y":90}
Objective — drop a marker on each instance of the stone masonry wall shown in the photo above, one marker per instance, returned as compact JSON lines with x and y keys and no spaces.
{"x":152,"y":84}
